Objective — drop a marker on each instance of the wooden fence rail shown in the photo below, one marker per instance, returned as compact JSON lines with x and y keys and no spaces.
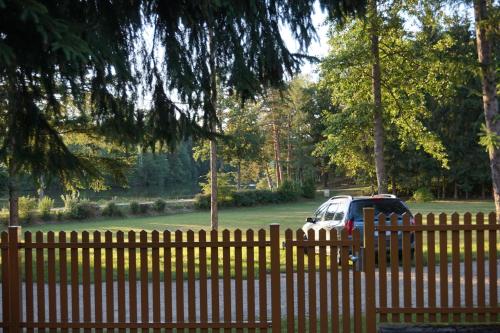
{"x":441,"y":269}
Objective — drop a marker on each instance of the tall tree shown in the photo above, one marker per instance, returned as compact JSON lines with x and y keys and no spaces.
{"x":486,"y":23}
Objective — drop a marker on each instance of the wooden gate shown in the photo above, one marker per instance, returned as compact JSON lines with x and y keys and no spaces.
{"x":323,"y":281}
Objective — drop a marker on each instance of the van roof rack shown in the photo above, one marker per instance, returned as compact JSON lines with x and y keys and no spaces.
{"x":384,"y":195}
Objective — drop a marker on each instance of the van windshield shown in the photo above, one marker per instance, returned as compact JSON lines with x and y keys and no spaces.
{"x":385,"y":206}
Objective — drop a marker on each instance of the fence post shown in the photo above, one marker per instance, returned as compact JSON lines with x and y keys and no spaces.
{"x":275,"y":279}
{"x":14,"y":279}
{"x":369,"y":253}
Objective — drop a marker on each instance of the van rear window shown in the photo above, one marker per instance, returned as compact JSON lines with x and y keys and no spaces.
{"x":385,"y":206}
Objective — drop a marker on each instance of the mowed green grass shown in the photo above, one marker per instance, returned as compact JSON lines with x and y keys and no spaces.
{"x":287,"y":215}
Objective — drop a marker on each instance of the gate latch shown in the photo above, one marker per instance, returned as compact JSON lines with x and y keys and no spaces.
{"x":357,"y":260}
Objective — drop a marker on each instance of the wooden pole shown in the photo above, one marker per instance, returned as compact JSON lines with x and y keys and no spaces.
{"x":369,"y":246}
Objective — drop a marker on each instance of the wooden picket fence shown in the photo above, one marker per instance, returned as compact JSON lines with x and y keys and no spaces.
{"x":325,"y":281}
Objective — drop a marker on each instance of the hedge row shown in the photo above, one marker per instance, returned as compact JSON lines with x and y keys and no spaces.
{"x":288,"y":192}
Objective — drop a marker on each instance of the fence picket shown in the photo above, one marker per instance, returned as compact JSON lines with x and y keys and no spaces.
{"x":311,"y":274}
{"x":468,"y":266}
{"x":155,"y":271}
{"x":97,"y":280}
{"x":40,"y":278}
{"x":226,"y":277}
{"x":214,"y":275}
{"x":179,"y":278}
{"x":492,"y":259}
{"x":344,"y":263}
{"x":191,"y":280}
{"x":443,"y":266}
{"x":356,"y":284}
{"x":5,"y":281}
{"x":108,"y":253}
{"x":28,"y":271}
{"x":120,"y":277}
{"x":250,"y":279}
{"x":290,"y":315}
{"x":85,"y":279}
{"x":382,"y":267}
{"x":143,"y":238}
{"x":431,"y":268}
{"x":167,"y":278}
{"x":334,"y":280}
{"x":455,"y":259}
{"x":262,"y":278}
{"x":238,"y":280}
{"x":323,"y":291}
{"x":301,"y":302}
{"x":202,"y":237}
{"x":394,"y":248}
{"x":480,"y":266}
{"x":419,"y":268}
{"x":132,"y":278}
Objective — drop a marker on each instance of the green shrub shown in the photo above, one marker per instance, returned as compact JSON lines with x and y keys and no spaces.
{"x":159,"y":205}
{"x":144,"y":208}
{"x":202,"y":201}
{"x":423,"y":195}
{"x":308,"y":188}
{"x":45,"y":206}
{"x":289,"y":191}
{"x":27,"y":206}
{"x":244,"y":198}
{"x":134,"y":208}
{"x":112,"y":210}
{"x":59,"y":215}
{"x":84,"y":210}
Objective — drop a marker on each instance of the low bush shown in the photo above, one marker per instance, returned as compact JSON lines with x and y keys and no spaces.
{"x":27,"y":206}
{"x":423,"y":195}
{"x":159,"y":205}
{"x":289,"y":191}
{"x":45,"y":206}
{"x":70,"y":201}
{"x":134,"y":208}
{"x":308,"y":188}
{"x":144,"y":208}
{"x":84,"y":210}
{"x":202,"y":201}
{"x":112,"y":210}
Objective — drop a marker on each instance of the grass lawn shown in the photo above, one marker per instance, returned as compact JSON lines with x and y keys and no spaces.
{"x":287,"y":215}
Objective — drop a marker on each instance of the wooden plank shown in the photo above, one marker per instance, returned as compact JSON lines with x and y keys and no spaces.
{"x":86,"y":280}
{"x":480,"y":267}
{"x":250,"y":279}
{"x":346,"y":303}
{"x":431,"y":268}
{"x":214,"y":274}
{"x":75,"y":294}
{"x":468,"y":266}
{"x":275,"y":277}
{"x":238,"y":279}
{"x":143,"y":237}
{"x":369,"y":269}
{"x":179,"y":279}
{"x":226,"y":277}
{"x":356,"y":273}
{"x":382,"y":267}
{"x":14,"y":277}
{"x":455,"y":267}
{"x":334,"y":281}
{"x":40,"y":278}
{"x":419,"y":269}
{"x":155,"y":271}
{"x":110,"y":307}
{"x":5,"y":280}
{"x":132,"y":278}
{"x":167,"y":277}
{"x":492,"y":259}
{"x":311,"y":274}
{"x":394,"y":243}
{"x":97,"y":281}
{"x":120,"y":278}
{"x":323,"y":291}
{"x":51,"y":270}
{"x":290,"y":315}
{"x":407,"y":268}
{"x":203,"y":301}
{"x":443,"y":266}
{"x":191,"y":281}
{"x":262,"y":278}
{"x":28,"y":274}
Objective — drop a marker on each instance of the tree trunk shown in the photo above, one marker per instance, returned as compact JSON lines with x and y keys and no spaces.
{"x":238,"y":176}
{"x":490,"y":103}
{"x":13,"y":198}
{"x":377,"y":102}
{"x":483,"y":191}
{"x":214,"y":214}
{"x":268,"y":177}
{"x":277,"y":154}
{"x":289,"y":148}
{"x":455,"y":191}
